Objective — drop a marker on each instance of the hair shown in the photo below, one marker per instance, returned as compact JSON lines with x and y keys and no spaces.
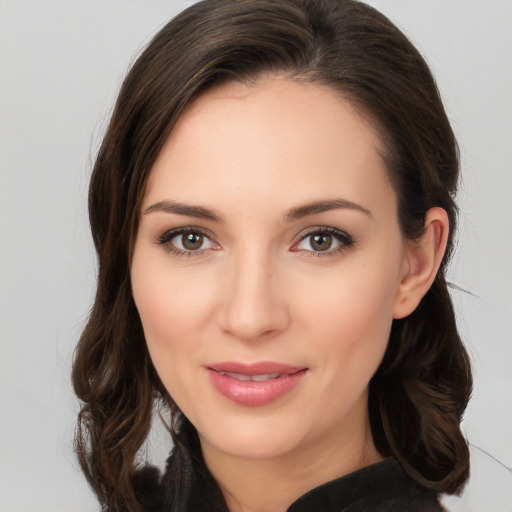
{"x":421,"y":389}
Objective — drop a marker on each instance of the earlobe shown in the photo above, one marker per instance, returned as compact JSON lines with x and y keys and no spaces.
{"x":423,"y":259}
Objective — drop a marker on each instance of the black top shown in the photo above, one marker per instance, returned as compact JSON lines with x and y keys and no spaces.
{"x":381,"y":487}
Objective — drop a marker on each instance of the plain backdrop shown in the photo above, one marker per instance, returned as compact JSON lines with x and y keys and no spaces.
{"x":61,"y":64}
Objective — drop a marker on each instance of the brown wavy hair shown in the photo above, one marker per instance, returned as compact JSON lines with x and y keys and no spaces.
{"x":422,"y":387}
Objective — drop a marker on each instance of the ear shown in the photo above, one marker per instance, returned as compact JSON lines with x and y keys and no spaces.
{"x":423,"y":258}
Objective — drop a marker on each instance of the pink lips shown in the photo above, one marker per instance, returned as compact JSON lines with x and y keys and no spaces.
{"x":254,"y":384}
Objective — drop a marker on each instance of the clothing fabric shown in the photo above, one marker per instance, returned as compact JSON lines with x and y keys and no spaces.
{"x":381,"y":487}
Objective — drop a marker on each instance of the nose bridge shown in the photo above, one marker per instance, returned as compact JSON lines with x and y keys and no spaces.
{"x":254,"y":305}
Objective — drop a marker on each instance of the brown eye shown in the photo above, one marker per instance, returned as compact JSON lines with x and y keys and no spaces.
{"x":192,"y":241}
{"x":185,"y":241}
{"x":325,"y":240}
{"x":321,"y":242}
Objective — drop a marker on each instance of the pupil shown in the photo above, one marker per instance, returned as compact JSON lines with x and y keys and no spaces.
{"x":192,"y":241}
{"x":321,"y":242}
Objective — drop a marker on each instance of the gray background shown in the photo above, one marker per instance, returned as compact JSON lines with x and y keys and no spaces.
{"x":61,"y":63}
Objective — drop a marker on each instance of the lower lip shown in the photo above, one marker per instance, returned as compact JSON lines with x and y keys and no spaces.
{"x":248,"y":392}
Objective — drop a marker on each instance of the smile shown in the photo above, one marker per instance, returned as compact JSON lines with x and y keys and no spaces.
{"x":256,"y":384}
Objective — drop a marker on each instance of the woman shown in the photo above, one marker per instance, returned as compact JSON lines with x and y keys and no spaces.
{"x":272,"y":207}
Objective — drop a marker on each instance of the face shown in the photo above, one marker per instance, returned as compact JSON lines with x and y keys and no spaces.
{"x":267,"y":268}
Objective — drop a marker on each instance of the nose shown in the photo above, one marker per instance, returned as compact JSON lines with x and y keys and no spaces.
{"x":254,"y":305}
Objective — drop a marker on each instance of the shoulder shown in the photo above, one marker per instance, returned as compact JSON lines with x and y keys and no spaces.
{"x":148,"y":489}
{"x":190,"y":488}
{"x":382,"y":487}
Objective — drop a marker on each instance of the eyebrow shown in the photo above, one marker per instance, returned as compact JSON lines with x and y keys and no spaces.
{"x":293,"y":214}
{"x":198,"y":212}
{"x":316,"y":207}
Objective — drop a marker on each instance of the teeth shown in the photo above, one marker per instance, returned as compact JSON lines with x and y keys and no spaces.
{"x":265,"y":376}
{"x":255,"y":378}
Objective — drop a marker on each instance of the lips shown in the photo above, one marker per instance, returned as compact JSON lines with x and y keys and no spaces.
{"x":254,"y":384}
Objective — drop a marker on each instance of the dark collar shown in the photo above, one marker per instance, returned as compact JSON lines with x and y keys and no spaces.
{"x":381,"y":487}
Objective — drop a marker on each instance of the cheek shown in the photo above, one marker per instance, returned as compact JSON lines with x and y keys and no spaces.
{"x":173,"y":307}
{"x":351,"y":318}
{"x":169,"y":303}
{"x":351,"y":298}
{"x":173,"y":311}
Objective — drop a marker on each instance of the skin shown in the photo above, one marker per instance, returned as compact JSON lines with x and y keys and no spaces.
{"x":255,"y":290}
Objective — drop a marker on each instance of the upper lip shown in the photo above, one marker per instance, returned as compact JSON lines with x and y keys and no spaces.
{"x":259,"y":368}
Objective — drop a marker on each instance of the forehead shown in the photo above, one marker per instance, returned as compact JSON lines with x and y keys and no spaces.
{"x":274,"y":135}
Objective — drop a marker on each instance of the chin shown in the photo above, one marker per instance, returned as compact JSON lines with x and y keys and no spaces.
{"x":255,"y":441}
{"x":255,"y":448}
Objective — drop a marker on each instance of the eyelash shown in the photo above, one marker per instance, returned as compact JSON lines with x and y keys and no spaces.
{"x":345,"y":241}
{"x":165,"y":239}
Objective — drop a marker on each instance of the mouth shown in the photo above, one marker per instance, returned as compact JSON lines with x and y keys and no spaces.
{"x":254,"y":378}
{"x":254,"y":384}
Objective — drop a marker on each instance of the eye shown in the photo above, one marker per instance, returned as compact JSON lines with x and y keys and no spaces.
{"x":191,"y":241}
{"x":186,"y":241}
{"x":324,"y":240}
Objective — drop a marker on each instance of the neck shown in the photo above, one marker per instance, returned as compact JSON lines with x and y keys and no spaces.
{"x":272,"y":485}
